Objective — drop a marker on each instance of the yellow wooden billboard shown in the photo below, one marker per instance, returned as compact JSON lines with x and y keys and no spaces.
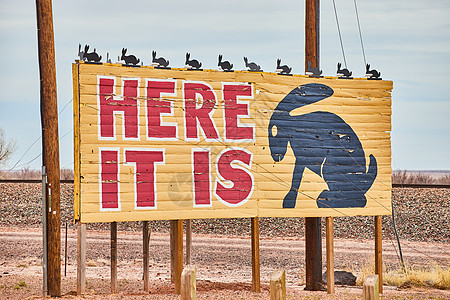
{"x":183,"y":144}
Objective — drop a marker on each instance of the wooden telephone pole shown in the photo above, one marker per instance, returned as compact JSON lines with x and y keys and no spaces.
{"x":50,"y":143}
{"x":313,"y":232}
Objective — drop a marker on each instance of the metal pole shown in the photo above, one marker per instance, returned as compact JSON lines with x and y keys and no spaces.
{"x":65,"y":254}
{"x":44,"y":231}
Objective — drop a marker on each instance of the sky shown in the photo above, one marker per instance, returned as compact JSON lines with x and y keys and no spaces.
{"x":408,"y":41}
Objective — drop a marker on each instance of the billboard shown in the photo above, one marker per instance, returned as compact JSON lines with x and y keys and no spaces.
{"x":183,"y":144}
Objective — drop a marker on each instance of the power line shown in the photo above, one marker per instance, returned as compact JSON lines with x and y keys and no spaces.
{"x":339,"y":31}
{"x":360,"y":34}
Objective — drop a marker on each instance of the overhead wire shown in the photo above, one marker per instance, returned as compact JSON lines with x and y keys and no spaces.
{"x":360,"y":34}
{"x":339,"y":32}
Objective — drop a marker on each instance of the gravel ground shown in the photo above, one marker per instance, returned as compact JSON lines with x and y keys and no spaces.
{"x":421,"y":215}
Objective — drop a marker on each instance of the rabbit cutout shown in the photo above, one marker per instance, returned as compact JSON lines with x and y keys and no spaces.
{"x":325,"y":144}
{"x":108,"y":60}
{"x":343,"y":73}
{"x":224,"y":65}
{"x":313,"y":71}
{"x":81,"y":53}
{"x":129,"y":59}
{"x":160,"y":62}
{"x":252,"y":66}
{"x":282,"y":70}
{"x":192,"y":64}
{"x":93,"y":56}
{"x":372,"y":74}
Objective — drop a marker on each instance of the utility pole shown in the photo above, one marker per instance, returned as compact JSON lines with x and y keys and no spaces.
{"x":313,"y":232}
{"x":50,"y":143}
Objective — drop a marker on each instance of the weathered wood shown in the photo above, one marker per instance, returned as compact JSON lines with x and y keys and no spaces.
{"x":363,"y":105}
{"x":313,"y":253}
{"x":81,"y":258}
{"x":278,"y":285}
{"x":113,"y":257}
{"x":370,"y":288}
{"x":50,"y":142}
{"x":378,"y":252}
{"x":178,"y":254}
{"x":313,"y":237}
{"x":188,"y":241}
{"x":145,"y":255}
{"x":312,"y":33}
{"x":172,"y":250}
{"x":189,"y":283}
{"x":76,"y":143}
{"x":256,"y":281}
{"x":330,"y":255}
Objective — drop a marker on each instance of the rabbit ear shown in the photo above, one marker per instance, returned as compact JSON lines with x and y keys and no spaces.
{"x":339,"y":65}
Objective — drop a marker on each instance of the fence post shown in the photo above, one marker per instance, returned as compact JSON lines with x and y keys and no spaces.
{"x":370,"y":288}
{"x":278,"y":285}
{"x":189,"y":283}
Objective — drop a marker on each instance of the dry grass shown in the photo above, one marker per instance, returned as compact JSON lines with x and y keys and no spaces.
{"x":27,"y":173}
{"x":405,"y":177}
{"x":432,"y":277}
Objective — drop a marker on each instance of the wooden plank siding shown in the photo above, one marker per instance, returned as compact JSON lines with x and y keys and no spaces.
{"x":360,"y":104}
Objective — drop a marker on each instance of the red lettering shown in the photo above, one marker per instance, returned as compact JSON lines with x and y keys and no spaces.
{"x":156,"y":107}
{"x":108,"y":106}
{"x":201,"y":114}
{"x":109,"y":181}
{"x":145,"y":180}
{"x":201,"y":176}
{"x":235,"y":109}
{"x":237,"y":185}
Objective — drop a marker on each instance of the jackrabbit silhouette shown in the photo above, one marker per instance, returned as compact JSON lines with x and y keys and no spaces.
{"x":282,"y":70}
{"x":344,"y":73}
{"x":252,"y":66}
{"x":159,"y":62}
{"x":129,"y":59}
{"x":192,"y":64}
{"x":93,"y":56}
{"x":313,"y":71}
{"x":372,"y":74}
{"x":224,"y":65}
{"x":325,"y":144}
{"x":81,"y":53}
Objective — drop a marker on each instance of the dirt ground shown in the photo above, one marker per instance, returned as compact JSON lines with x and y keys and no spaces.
{"x":223,"y":266}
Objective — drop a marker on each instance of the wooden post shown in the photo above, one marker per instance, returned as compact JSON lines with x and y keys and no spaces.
{"x":145,"y":255}
{"x":378,"y":252}
{"x":256,"y":285}
{"x":278,"y":285}
{"x":189,"y":283}
{"x":188,"y":241}
{"x":50,"y":142}
{"x":330,"y":255}
{"x":370,"y":288}
{"x":313,"y":252}
{"x":312,"y":33}
{"x":113,"y":257}
{"x":178,"y":254}
{"x":313,"y":231}
{"x":172,"y":251}
{"x":81,"y":258}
